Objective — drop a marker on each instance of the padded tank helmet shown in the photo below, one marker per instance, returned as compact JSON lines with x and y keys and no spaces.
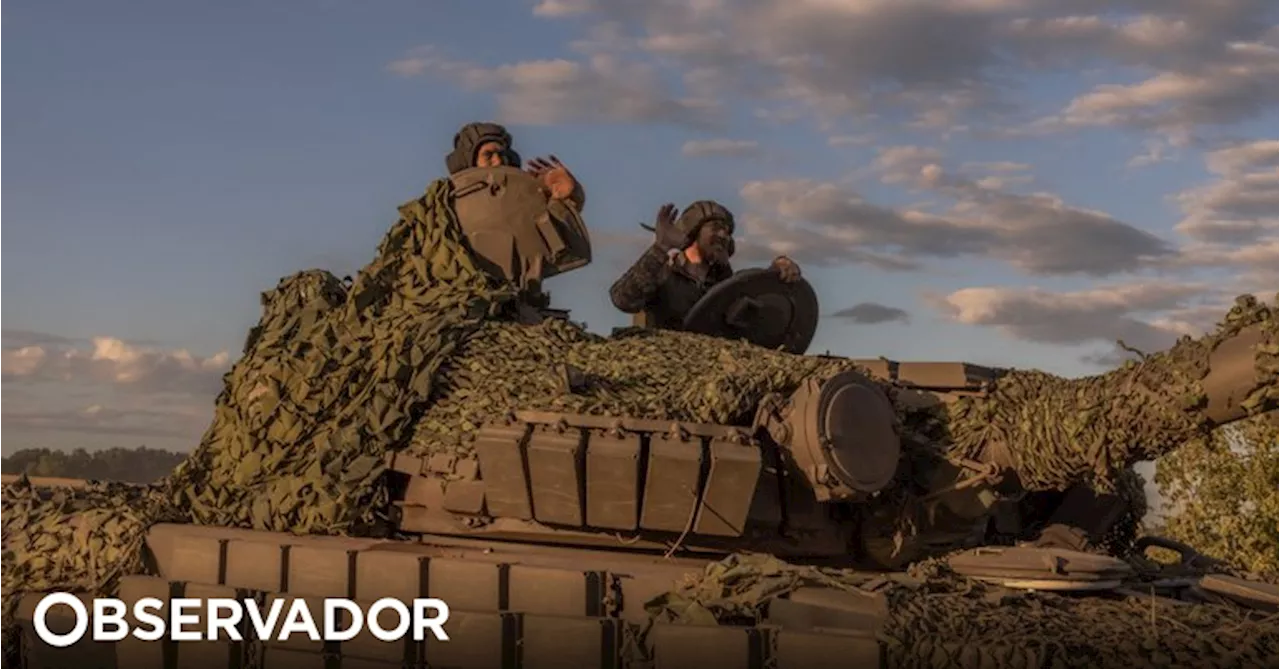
{"x":469,"y":140}
{"x":700,"y":213}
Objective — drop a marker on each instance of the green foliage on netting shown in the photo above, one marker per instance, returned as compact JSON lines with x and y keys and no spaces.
{"x":1220,"y":495}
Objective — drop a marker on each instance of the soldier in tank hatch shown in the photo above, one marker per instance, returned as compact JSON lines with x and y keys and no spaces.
{"x":490,"y":145}
{"x":689,"y":255}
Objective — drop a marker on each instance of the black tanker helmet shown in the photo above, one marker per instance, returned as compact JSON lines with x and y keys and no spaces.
{"x":469,"y":140}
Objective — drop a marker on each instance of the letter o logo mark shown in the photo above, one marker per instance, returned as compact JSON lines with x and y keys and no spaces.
{"x":42,"y":628}
{"x":374,"y":625}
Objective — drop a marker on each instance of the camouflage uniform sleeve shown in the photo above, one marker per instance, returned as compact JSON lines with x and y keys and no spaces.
{"x":632,"y":292}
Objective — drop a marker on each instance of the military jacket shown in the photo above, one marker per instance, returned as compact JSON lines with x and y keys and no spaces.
{"x":665,"y":286}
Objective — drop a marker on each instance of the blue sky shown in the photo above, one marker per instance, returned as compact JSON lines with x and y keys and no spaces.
{"x":1000,"y":181}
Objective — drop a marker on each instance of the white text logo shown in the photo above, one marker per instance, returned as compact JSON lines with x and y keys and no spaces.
{"x":223,"y":618}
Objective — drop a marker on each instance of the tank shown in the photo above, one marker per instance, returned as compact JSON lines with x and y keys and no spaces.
{"x":654,"y":499}
{"x":801,"y":469}
{"x":820,"y":473}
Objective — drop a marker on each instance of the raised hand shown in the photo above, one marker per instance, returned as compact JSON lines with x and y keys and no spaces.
{"x":555,"y":177}
{"x":786,"y":268}
{"x":666,"y":235}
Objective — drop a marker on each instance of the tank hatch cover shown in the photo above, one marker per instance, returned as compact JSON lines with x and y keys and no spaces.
{"x":756,"y":305}
{"x":842,"y":436}
{"x":1037,"y":568}
{"x":515,"y":231}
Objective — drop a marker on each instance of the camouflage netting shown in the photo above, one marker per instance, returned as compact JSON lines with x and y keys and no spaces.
{"x":938,"y":620}
{"x":420,"y":349}
{"x":332,"y":378}
{"x":1060,"y":431}
{"x":79,"y":540}
{"x":640,"y":373}
{"x":1130,"y":487}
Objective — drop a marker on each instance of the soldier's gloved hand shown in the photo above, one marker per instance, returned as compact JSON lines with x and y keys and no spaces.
{"x":555,"y":177}
{"x":666,"y":235}
{"x":786,"y":268}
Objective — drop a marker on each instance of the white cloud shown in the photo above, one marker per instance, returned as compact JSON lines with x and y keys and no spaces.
{"x":954,"y":66}
{"x":561,"y":8}
{"x":106,"y":391}
{"x":901,"y":164}
{"x":997,"y":167}
{"x":1174,"y":71}
{"x":112,"y":362}
{"x":1240,"y":206}
{"x":720,"y":147}
{"x":872,"y":313}
{"x":1147,"y":316}
{"x":1175,"y":103}
{"x":602,"y":88}
{"x":1037,"y":233}
{"x":849,"y":140}
{"x":17,"y":338}
{"x":1055,"y":238}
{"x":1243,"y":157}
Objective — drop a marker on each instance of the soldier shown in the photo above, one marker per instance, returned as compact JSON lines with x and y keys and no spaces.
{"x":481,"y":145}
{"x":689,"y":256}
{"x":490,"y":145}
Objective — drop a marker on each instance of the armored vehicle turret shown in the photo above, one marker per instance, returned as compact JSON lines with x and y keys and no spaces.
{"x":837,"y":466}
{"x":435,"y":428}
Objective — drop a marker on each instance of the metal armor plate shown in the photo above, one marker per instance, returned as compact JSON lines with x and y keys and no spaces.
{"x":758,"y":306}
{"x":515,"y":231}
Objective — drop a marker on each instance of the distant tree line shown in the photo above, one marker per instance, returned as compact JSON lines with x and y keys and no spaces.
{"x":130,"y":465}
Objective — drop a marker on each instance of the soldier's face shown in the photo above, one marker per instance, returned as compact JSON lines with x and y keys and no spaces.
{"x":489,"y":155}
{"x":715,"y":241}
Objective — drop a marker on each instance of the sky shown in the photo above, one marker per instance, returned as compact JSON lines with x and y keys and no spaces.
{"x":1011,"y":182}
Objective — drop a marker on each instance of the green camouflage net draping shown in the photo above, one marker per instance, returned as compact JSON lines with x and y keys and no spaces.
{"x":1130,"y":487}
{"x":939,"y":621}
{"x":330,"y":379}
{"x":1059,"y":431}
{"x":105,"y":522}
{"x":639,"y":373}
{"x":333,"y":378}
{"x":80,"y":540}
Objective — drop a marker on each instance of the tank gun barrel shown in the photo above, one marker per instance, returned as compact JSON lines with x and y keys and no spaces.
{"x":1056,"y":432}
{"x":1050,"y":431}
{"x":1233,"y":379}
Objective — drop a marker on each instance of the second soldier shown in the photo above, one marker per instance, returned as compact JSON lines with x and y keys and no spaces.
{"x":689,"y":255}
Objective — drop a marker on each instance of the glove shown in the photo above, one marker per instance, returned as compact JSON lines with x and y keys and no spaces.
{"x":666,"y":236}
